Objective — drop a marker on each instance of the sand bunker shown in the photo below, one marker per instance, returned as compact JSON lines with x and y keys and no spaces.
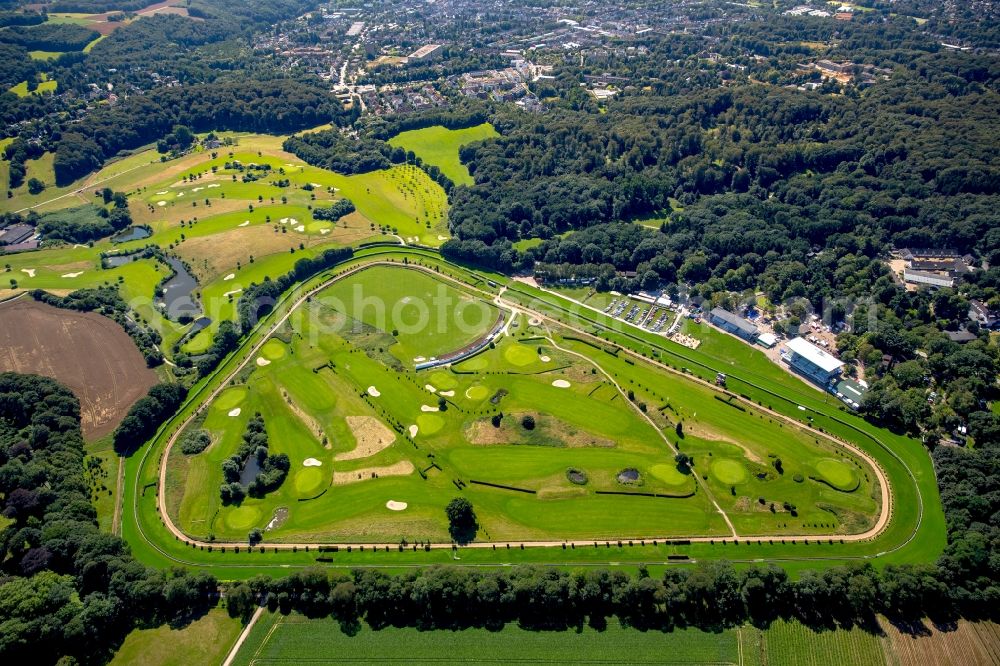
{"x":311,"y":462}
{"x":235,"y":412}
{"x":162,"y":193}
{"x":324,"y":232}
{"x":428,"y":408}
{"x":442,"y":238}
{"x":370,"y":437}
{"x":244,"y":224}
{"x":161,"y":203}
{"x":231,"y":293}
{"x":214,"y":185}
{"x":447,"y":394}
{"x":544,"y":359}
{"x":402,"y":468}
{"x":198,"y":189}
{"x":283,"y":220}
{"x":413,"y":431}
{"x":73,"y":275}
{"x":419,"y":359}
{"x":229,"y":277}
{"x":561,"y":383}
{"x":180,"y":195}
{"x":315,"y":184}
{"x":373,"y":392}
{"x":261,"y":361}
{"x":300,"y":228}
{"x":393,"y":505}
{"x":430,"y":388}
{"x":29,"y":271}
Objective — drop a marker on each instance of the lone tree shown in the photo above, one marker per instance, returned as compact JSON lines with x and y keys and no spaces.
{"x":683,"y":461}
{"x":462,"y":523}
{"x":528,"y":422}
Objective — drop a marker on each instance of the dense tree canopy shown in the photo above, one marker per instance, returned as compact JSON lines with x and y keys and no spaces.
{"x":67,"y":588}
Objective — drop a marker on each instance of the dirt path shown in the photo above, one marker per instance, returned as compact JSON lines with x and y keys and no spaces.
{"x":243,"y":637}
{"x":252,"y":352}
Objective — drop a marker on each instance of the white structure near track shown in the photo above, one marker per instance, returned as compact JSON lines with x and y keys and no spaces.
{"x":816,"y":364}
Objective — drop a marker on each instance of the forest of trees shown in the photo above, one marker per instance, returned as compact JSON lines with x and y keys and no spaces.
{"x":49,"y":36}
{"x":278,"y":106}
{"x":67,"y":589}
{"x":146,"y":415}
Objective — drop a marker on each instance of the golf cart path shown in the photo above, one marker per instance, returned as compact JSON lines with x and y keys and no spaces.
{"x":875,"y":530}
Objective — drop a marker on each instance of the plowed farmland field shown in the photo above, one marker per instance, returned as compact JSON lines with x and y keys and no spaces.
{"x":87,"y":352}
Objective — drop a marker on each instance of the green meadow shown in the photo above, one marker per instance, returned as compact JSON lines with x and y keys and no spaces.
{"x":439,"y":146}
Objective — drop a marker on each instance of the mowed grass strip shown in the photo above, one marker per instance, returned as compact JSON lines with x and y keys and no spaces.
{"x":439,"y":146}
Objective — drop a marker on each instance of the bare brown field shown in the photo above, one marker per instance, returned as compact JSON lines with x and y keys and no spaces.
{"x":965,"y":644}
{"x":90,"y":354}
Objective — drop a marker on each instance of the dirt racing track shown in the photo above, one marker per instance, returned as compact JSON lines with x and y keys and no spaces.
{"x":87,"y":352}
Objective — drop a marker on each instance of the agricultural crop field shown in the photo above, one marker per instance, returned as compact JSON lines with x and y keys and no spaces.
{"x":439,"y":146}
{"x":279,"y":639}
{"x":289,"y":639}
{"x":377,"y":448}
{"x":90,"y":354}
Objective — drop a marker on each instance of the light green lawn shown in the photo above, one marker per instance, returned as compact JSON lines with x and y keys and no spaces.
{"x":430,"y":316}
{"x":45,"y":55}
{"x":207,"y":640}
{"x":45,"y":86}
{"x":439,"y":146}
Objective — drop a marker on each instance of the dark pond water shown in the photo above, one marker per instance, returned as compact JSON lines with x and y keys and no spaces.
{"x":117,"y":260}
{"x":176,"y":298}
{"x":131,"y":234}
{"x":250,"y":471}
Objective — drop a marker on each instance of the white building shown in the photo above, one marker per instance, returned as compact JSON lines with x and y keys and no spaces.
{"x":816,"y":364}
{"x":931,"y":279}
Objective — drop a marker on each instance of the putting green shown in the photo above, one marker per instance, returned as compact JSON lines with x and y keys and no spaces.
{"x":230,"y":398}
{"x":316,"y":227}
{"x":243,"y":517}
{"x":429,"y":423}
{"x":837,"y":474}
{"x":520,"y":355}
{"x":477,"y":392}
{"x":443,"y":381}
{"x":308,"y":481}
{"x":273,"y":350}
{"x":729,"y":472}
{"x":474,"y":364}
{"x":669,"y":474}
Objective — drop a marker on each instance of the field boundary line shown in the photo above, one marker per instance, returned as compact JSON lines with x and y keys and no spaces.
{"x":243,"y":636}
